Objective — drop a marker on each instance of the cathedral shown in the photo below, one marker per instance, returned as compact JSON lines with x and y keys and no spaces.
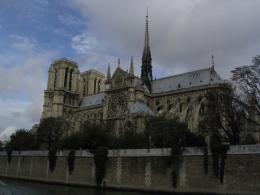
{"x":122,"y":99}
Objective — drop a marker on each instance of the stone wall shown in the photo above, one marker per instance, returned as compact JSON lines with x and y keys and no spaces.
{"x":142,"y":169}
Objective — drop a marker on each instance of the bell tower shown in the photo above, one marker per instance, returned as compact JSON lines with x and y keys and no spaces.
{"x":61,"y":97}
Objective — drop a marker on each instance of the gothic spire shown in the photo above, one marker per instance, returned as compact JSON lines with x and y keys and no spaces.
{"x":212,"y":61}
{"x":146,"y":72}
{"x":132,"y":67}
{"x":108,"y":73}
{"x":118,"y":62}
{"x":146,"y":38}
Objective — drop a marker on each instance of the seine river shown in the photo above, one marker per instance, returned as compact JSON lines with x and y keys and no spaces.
{"x":20,"y":187}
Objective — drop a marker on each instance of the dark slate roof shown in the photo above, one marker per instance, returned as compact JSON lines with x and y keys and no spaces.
{"x":93,"y":100}
{"x":140,"y":107}
{"x":187,"y":80}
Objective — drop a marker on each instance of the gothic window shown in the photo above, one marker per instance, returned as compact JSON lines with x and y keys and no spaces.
{"x":84,"y":87}
{"x":65,"y":78}
{"x":95,"y":85}
{"x":70,"y":83}
{"x":99,"y":85}
{"x":55,"y":77}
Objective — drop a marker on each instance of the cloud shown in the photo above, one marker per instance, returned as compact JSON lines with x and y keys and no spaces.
{"x":90,"y":53}
{"x":61,"y":32}
{"x":84,"y":43}
{"x":22,"y":83}
{"x":5,"y":134}
{"x":23,"y":44}
{"x":69,"y":19}
{"x":183,"y":33}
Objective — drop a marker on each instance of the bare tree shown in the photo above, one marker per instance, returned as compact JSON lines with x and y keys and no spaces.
{"x":247,"y":79}
{"x":222,"y":118}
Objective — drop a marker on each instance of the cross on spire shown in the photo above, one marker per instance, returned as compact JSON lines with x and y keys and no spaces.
{"x":212,"y":61}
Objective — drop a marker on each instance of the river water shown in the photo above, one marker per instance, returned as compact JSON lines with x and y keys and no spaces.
{"x":21,"y":187}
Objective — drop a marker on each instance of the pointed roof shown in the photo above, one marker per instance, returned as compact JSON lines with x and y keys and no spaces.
{"x":140,"y":108}
{"x":118,"y":62}
{"x":108,"y":73}
{"x":146,"y":69}
{"x":132,"y":67}
{"x":146,"y":51}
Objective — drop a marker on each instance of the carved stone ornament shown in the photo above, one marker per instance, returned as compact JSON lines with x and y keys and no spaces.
{"x":117,"y":104}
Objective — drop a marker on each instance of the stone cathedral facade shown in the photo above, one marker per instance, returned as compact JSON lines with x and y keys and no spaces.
{"x":124,"y":100}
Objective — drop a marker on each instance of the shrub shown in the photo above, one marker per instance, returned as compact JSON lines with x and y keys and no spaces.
{"x":50,"y":131}
{"x":9,"y":155}
{"x":100,"y":158}
{"x":22,"y":140}
{"x":219,"y":155}
{"x":71,"y":142}
{"x":166,"y":132}
{"x":52,"y":159}
{"x":71,"y":160}
{"x":249,"y":139}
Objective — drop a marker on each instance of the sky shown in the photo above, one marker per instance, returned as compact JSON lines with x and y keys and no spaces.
{"x":183,"y":36}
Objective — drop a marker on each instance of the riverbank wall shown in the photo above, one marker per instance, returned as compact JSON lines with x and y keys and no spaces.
{"x":142,"y":169}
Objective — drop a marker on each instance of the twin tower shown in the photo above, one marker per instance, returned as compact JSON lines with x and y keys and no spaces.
{"x":67,"y":86}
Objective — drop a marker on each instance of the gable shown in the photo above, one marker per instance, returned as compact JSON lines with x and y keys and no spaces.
{"x":119,"y":78}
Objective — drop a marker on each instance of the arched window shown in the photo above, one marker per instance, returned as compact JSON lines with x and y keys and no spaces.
{"x":99,"y":85}
{"x":70,"y":83}
{"x":95,"y":85}
{"x":66,"y":76}
{"x":84,"y":87}
{"x":55,"y":77}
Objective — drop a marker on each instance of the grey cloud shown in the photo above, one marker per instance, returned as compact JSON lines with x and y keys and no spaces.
{"x":184,"y":33}
{"x":22,"y":85}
